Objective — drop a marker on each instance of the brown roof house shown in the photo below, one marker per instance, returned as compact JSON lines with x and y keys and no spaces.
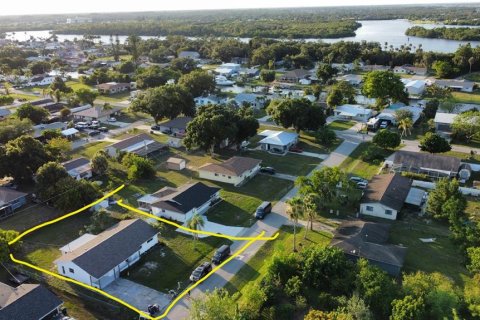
{"x":141,"y":144}
{"x":97,"y":260}
{"x":236,"y":170}
{"x":295,"y":75}
{"x":96,"y":113}
{"x":114,"y":87}
{"x":368,"y":240}
{"x":385,"y":196}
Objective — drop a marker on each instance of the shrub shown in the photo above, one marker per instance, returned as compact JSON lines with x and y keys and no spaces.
{"x":372,"y":154}
{"x":416,"y":176}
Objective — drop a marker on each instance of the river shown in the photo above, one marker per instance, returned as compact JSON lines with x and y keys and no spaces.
{"x":391,"y":32}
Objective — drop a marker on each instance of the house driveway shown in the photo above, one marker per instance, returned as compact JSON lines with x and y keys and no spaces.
{"x":137,"y":295}
{"x":216,"y":228}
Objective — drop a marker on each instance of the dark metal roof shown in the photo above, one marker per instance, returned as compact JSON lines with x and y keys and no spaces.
{"x":111,"y":247}
{"x":368,"y":240}
{"x":26,"y":302}
{"x":7,"y":195}
{"x":186,"y":198}
{"x":75,"y":163}
{"x":177,"y":123}
{"x":390,"y":190}
{"x":426,"y":160}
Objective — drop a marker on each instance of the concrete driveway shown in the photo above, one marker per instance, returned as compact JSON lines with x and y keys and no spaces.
{"x":136,"y":294}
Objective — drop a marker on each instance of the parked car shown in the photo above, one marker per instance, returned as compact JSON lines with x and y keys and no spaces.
{"x":383,"y":125}
{"x":112,"y":119}
{"x":94,"y":133}
{"x":201,"y":271}
{"x":155,"y":127}
{"x":95,"y":122}
{"x":81,"y":125}
{"x":358,"y":179}
{"x":103,"y":129}
{"x":263,"y":209}
{"x":362,"y":185}
{"x":167,"y":131}
{"x":268,"y":170}
{"x":221,"y":254}
{"x":296,"y":149}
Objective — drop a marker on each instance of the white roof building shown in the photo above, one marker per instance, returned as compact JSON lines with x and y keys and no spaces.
{"x":415,"y":87}
{"x":277,"y":141}
{"x":353,"y":111}
{"x":447,"y":118}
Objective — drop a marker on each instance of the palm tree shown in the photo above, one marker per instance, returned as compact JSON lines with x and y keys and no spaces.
{"x":405,"y":124}
{"x":471,"y":61}
{"x":310,"y":210}
{"x":295,"y":211}
{"x":107,"y":106}
{"x":196,"y":222}
{"x":54,"y":94}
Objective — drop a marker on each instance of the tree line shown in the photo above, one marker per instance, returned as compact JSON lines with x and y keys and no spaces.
{"x":461,"y":34}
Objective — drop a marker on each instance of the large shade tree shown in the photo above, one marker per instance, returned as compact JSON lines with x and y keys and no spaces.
{"x":385,"y":86}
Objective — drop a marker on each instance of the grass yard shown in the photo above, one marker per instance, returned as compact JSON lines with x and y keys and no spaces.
{"x":341,"y":125}
{"x":441,"y":256}
{"x":28,"y":217}
{"x":355,"y":165}
{"x":464,"y":97}
{"x":255,"y":268}
{"x":24,"y":96}
{"x":474,"y":76}
{"x":463,"y":156}
{"x":75,"y":85}
{"x":90,"y":149}
{"x":473,"y":209}
{"x":292,"y":164}
{"x":42,"y":246}
{"x":117,"y":97}
{"x":166,"y":265}
{"x":239,"y":204}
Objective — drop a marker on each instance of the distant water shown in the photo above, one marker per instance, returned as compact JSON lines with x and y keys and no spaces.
{"x":391,"y":32}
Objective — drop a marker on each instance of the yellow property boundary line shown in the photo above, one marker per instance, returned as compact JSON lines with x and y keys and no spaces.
{"x":251,"y":240}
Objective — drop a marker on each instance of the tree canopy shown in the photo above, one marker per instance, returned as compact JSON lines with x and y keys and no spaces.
{"x":198,"y":82}
{"x":300,"y":114}
{"x":35,"y":114}
{"x":385,"y":86}
{"x":466,"y":125}
{"x":387,"y":139}
{"x":434,"y":143}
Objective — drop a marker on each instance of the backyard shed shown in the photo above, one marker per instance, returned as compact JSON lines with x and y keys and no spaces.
{"x":176,"y":164}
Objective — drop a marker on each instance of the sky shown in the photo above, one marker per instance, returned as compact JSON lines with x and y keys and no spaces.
{"x":65,"y":6}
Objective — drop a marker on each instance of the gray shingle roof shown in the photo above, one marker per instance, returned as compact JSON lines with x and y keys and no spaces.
{"x":368,"y":240}
{"x":26,"y":302}
{"x":75,"y":163}
{"x":8,"y":195}
{"x":426,"y":160}
{"x":111,"y":247}
{"x":177,"y":123}
{"x":186,"y":198}
{"x":234,"y":166}
{"x":389,"y":189}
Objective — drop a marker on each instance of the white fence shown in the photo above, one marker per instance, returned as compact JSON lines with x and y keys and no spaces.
{"x":431,"y":185}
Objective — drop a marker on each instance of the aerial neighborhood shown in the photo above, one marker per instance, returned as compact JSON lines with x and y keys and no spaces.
{"x":184,"y":165}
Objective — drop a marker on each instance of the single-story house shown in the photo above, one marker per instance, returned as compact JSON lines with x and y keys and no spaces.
{"x":114,"y":87}
{"x":295,"y":75}
{"x":28,"y":302}
{"x":194,"y":55}
{"x":353,"y":79}
{"x":227,"y":69}
{"x":210,"y":99}
{"x":409,"y":69}
{"x":256,"y":101}
{"x":11,"y":200}
{"x":375,"y":67}
{"x":40,"y":128}
{"x":177,"y":126}
{"x":389,"y":113}
{"x":385,"y":196}
{"x":277,"y":141}
{"x":433,"y":165}
{"x":414,"y":87}
{"x":69,"y":133}
{"x":176,"y":164}
{"x":343,"y":67}
{"x":141,"y":144}
{"x":99,"y":261}
{"x":456,"y":85}
{"x":235,"y":170}
{"x":368,"y":240}
{"x":95,"y":113}
{"x":250,"y":72}
{"x":40,"y":81}
{"x":180,"y":204}
{"x":353,"y":111}
{"x":443,"y":122}
{"x":79,"y":168}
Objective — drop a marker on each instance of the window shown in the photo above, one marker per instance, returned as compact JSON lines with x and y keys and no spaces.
{"x":71,"y":270}
{"x":369,"y":208}
{"x":163,"y":210}
{"x":216,"y":174}
{"x":63,"y":269}
{"x":229,"y":177}
{"x":388,"y":212}
{"x":150,"y":240}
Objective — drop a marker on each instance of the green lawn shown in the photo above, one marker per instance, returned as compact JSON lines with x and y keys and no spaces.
{"x":475,"y":76}
{"x":75,"y":85}
{"x":256,"y":267}
{"x":173,"y":261}
{"x":355,"y":165}
{"x":473,"y":209}
{"x":341,"y":125}
{"x":441,"y":256}
{"x":463,"y":156}
{"x":90,"y":149}
{"x":117,"y":97}
{"x":464,"y":97}
{"x":28,"y":217}
{"x":240,"y":203}
{"x":42,"y":246}
{"x":24,"y":96}
{"x":293,"y":164}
